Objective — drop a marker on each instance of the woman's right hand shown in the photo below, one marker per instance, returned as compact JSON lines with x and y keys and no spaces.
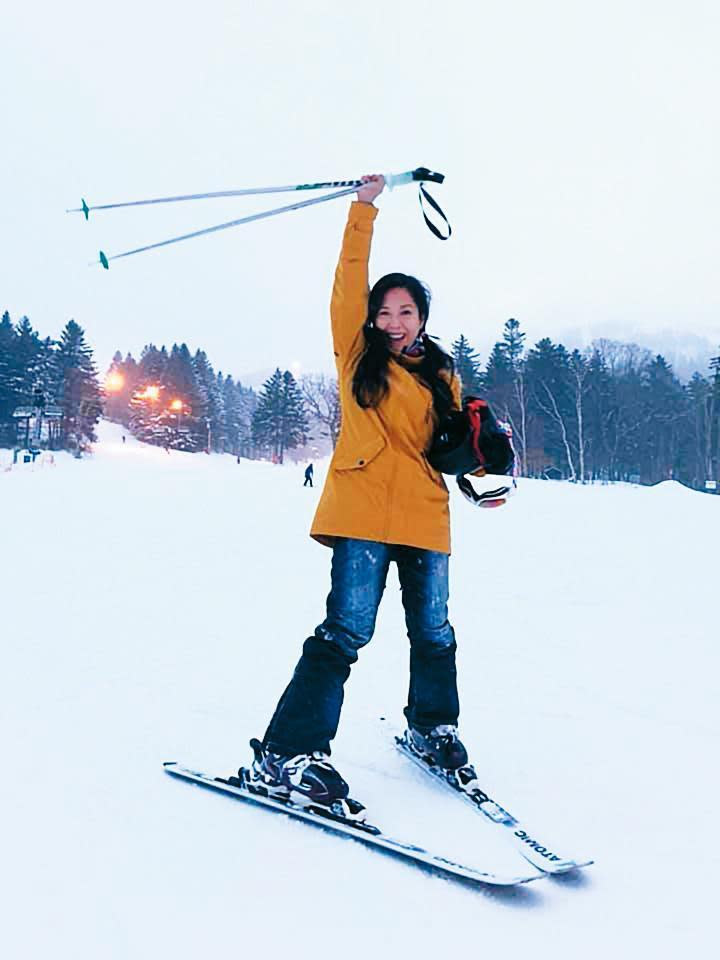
{"x":373,"y":186}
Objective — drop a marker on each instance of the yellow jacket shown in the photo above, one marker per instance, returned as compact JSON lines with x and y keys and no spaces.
{"x":379,"y":485}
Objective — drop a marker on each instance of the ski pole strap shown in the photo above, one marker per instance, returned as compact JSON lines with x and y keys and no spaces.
{"x":423,"y":194}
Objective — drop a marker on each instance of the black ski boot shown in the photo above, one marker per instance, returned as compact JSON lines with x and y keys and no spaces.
{"x":439,"y":747}
{"x":307,"y":778}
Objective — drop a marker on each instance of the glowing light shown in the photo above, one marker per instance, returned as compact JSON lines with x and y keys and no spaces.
{"x":151,"y":393}
{"x":176,"y":405}
{"x":114,"y":382}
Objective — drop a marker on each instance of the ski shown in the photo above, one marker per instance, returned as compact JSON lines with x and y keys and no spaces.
{"x":530,"y":845}
{"x":239,"y":788}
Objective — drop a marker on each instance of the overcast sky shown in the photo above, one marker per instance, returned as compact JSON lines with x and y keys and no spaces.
{"x":579,"y":140}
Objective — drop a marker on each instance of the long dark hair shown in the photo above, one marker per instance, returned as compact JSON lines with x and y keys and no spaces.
{"x":370,"y":380}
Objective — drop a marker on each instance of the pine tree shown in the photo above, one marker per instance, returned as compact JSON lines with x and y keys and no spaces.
{"x":467,"y":366}
{"x":80,"y":395}
{"x":266,"y":423}
{"x":499,"y":381}
{"x":8,"y":391}
{"x":247,"y":405}
{"x":47,"y":375}
{"x":701,"y":402}
{"x":601,"y":419}
{"x":233,"y":420}
{"x":513,"y":340}
{"x":553,"y":425}
{"x":29,"y":361}
{"x":623,"y":412}
{"x":714,"y":456}
{"x":28,"y":376}
{"x":665,"y":404}
{"x":280,"y":422}
{"x":152,"y":365}
{"x":294,"y":424}
{"x":220,"y":429}
{"x":210,"y":400}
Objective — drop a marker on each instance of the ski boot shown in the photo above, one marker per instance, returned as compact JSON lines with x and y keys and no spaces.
{"x":439,"y":747}
{"x":445,"y":756}
{"x":308,"y":779}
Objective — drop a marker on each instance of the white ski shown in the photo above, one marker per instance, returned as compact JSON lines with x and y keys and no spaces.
{"x":535,"y":848}
{"x":238,"y":787}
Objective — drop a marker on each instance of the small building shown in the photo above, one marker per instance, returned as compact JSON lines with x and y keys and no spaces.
{"x":38,"y":426}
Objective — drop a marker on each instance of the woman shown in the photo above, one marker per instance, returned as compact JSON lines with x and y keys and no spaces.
{"x":382,"y":502}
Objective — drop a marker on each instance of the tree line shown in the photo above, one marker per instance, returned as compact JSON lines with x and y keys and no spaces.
{"x":51,"y":396}
{"x":175,"y":399}
{"x":49,"y":389}
{"x":613,"y":411}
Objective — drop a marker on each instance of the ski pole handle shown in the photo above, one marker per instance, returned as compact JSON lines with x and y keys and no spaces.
{"x":421,"y":174}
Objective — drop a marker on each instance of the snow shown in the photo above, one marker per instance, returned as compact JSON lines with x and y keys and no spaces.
{"x":154,"y":607}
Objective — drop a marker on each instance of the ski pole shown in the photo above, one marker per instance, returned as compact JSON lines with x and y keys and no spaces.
{"x":420,"y":175}
{"x":105,"y":260}
{"x":391,"y":180}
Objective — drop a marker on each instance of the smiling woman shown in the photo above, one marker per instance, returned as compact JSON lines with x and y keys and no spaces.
{"x":382,"y":503}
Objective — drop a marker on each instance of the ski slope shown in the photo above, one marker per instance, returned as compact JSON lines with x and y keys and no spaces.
{"x":153,"y":609}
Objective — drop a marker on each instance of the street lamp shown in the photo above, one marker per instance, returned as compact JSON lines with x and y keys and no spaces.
{"x":177,"y":406}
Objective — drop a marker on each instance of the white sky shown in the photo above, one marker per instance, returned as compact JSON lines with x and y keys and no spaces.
{"x":579,"y":140}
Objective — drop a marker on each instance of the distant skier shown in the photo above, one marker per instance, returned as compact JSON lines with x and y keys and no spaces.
{"x":308,"y":475}
{"x":382,"y":502}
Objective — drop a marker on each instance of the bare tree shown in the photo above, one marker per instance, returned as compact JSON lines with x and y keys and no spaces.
{"x":322,"y":399}
{"x":521,"y":400}
{"x":551,"y":410}
{"x":579,"y":369}
{"x":622,"y":358}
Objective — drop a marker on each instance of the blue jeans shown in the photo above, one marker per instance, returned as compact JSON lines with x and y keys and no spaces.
{"x":307,"y":716}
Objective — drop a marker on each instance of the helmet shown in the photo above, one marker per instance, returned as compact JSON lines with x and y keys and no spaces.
{"x":470,"y":441}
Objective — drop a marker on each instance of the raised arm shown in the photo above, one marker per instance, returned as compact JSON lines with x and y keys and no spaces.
{"x":348,"y":307}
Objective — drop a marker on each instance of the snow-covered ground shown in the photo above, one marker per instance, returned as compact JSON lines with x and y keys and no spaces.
{"x":153,"y":608}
